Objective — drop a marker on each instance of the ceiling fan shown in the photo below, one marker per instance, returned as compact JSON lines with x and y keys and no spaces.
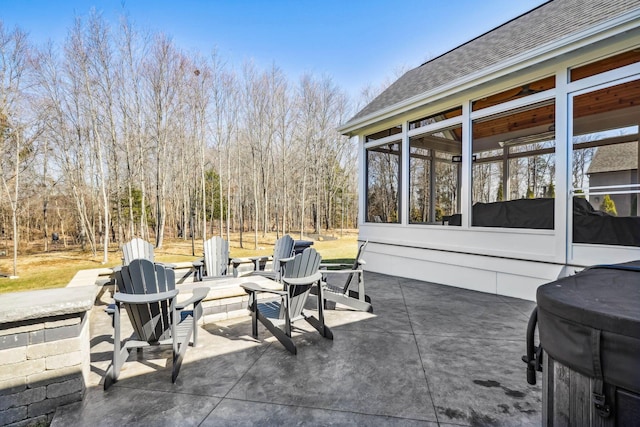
{"x":526,"y":90}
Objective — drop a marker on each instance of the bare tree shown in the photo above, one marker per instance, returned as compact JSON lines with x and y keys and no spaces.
{"x":18,"y":129}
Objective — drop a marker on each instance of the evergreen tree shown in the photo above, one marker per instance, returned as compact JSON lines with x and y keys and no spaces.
{"x":608,"y":206}
{"x":551,"y":192}
{"x":530,"y":193}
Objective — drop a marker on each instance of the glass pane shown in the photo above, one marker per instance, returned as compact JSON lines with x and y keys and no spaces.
{"x":605,"y":166}
{"x":383,"y":182}
{"x":514,"y":168}
{"x":434,"y":177}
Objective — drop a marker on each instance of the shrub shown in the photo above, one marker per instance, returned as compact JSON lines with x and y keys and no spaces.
{"x":608,"y":205}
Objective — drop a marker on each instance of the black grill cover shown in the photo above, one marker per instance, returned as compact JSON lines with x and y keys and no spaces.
{"x":605,"y":298}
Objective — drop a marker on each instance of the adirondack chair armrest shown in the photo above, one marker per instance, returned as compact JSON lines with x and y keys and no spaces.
{"x":197,"y":296}
{"x":254,"y":287}
{"x":260,"y":262}
{"x":286,"y":260}
{"x":324,"y":272}
{"x":261,"y":258}
{"x":144,"y":298}
{"x":324,"y":266}
{"x":315,"y":277}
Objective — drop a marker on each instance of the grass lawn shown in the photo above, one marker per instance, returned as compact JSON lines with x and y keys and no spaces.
{"x":54,"y":269}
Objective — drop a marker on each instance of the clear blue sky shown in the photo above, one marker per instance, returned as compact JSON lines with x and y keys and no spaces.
{"x":356,"y":42}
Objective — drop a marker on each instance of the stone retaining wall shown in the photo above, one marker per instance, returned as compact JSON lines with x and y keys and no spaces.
{"x":44,"y":352}
{"x":45,"y":339}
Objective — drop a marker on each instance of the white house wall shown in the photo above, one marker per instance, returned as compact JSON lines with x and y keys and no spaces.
{"x":503,"y":276}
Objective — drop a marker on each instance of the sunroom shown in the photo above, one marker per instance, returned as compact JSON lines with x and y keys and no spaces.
{"x":511,"y":160}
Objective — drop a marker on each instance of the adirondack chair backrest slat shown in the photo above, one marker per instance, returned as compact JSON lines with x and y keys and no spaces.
{"x":216,"y":256}
{"x":151,"y":322}
{"x":137,"y":248}
{"x":303,"y":265}
{"x":282,"y":249}
{"x":356,"y":265}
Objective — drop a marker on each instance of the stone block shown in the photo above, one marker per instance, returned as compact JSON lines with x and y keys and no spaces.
{"x":21,"y":369}
{"x":12,"y":386}
{"x":21,"y":327}
{"x":233,"y":300}
{"x":40,"y":421}
{"x":62,"y":332}
{"x":62,"y":321}
{"x":24,"y":398}
{"x":54,"y":376}
{"x":36,"y":337}
{"x":64,"y":360}
{"x":13,"y":355}
{"x":48,"y":406}
{"x":66,"y":387}
{"x":14,"y":340}
{"x":53,"y":348}
{"x":214,"y":310}
{"x":235,"y":306}
{"x":12,"y":415}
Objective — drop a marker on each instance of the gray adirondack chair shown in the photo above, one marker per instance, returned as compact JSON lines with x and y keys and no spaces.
{"x":356,"y":299}
{"x":215,"y":262}
{"x":300,"y":275}
{"x":147,"y":292}
{"x":137,"y":248}
{"x":283,"y":249}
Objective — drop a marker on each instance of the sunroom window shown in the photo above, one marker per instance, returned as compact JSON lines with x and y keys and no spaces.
{"x":434,"y":176}
{"x":604,"y":171}
{"x":514,"y":168}
{"x":383,"y":182}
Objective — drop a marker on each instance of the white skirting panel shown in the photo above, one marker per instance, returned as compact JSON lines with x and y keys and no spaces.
{"x":514,"y":278}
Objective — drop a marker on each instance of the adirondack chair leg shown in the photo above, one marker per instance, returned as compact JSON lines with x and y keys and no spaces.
{"x":195,"y":329}
{"x":361,"y":293}
{"x":235,"y":266}
{"x":280,"y":335}
{"x":178,"y":355}
{"x":320,"y":327}
{"x":254,"y":314}
{"x":318,"y":323}
{"x":356,"y":295}
{"x":119,"y":354}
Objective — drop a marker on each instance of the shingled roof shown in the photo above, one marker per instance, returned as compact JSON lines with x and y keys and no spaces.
{"x":543,"y":25}
{"x":614,"y":158}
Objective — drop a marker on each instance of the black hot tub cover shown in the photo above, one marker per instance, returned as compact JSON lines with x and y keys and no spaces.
{"x":573,"y":309}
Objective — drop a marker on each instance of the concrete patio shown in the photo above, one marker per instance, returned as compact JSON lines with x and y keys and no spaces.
{"x":430,"y":355}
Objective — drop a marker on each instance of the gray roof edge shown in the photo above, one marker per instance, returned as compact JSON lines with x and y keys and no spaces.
{"x":566,"y":44}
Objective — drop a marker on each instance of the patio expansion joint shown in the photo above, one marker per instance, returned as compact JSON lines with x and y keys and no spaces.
{"x":426,"y":377}
{"x":322,"y":408}
{"x":266,"y":347}
{"x":469,"y":337}
{"x":116,"y":385}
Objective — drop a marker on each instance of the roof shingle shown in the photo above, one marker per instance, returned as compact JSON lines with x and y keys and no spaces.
{"x":547,"y":23}
{"x":614,"y":158}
